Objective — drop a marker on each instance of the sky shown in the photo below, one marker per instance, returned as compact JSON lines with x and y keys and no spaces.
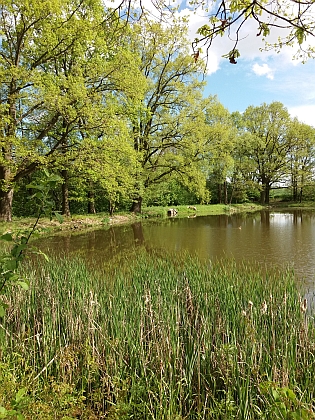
{"x":259,"y":76}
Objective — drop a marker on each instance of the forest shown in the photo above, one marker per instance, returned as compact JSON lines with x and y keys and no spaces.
{"x":116,"y":108}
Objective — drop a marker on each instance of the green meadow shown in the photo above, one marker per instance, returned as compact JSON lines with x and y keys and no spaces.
{"x":156,"y":337}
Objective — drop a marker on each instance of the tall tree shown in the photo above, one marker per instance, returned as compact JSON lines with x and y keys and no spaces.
{"x":301,"y":158}
{"x":169,"y":126}
{"x":268,"y":144}
{"x":221,"y":143}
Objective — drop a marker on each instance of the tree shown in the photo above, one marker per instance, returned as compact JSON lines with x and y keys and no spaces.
{"x":56,"y":61}
{"x":220,"y":146}
{"x":268,"y":144}
{"x":302,"y":157}
{"x":169,"y":126}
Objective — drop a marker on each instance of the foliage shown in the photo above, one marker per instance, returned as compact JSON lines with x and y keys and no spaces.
{"x":302,"y":158}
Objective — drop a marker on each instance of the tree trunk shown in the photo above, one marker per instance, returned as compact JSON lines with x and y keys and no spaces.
{"x":111,"y":207}
{"x":136,"y":206}
{"x":225,"y":193}
{"x":6,"y":199}
{"x":65,"y":194}
{"x":6,"y":195}
{"x":219,"y":193}
{"x":91,"y":200}
{"x":301,"y":189}
{"x":267,"y":193}
{"x":262,"y":196}
{"x":294,"y":187}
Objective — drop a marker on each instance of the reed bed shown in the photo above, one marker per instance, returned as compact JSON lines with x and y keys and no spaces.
{"x":159,"y":337}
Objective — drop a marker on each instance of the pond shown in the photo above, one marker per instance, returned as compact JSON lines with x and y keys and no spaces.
{"x":272,"y":238}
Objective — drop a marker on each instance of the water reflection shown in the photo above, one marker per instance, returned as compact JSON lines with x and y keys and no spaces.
{"x":273,"y":238}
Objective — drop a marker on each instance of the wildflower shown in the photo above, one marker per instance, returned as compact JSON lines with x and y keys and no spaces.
{"x":264,"y":307}
{"x":250,"y":303}
{"x":244,"y":313}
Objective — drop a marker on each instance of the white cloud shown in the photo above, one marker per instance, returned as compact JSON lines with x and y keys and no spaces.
{"x":304,"y":113}
{"x":263,"y":70}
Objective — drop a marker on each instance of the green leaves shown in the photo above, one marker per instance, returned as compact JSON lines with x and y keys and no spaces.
{"x":17,"y":405}
{"x":47,"y":183}
{"x":263,"y":29}
{"x":7,"y":237}
{"x":3,"y":308}
{"x":232,"y":55}
{"x":58,"y":216}
{"x":293,"y":25}
{"x":300,"y":35}
{"x":282,"y":402}
{"x":204,"y":30}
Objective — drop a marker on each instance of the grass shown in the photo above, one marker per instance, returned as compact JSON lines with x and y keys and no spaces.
{"x":158,"y":337}
{"x":201,"y":209}
{"x":308,"y":205}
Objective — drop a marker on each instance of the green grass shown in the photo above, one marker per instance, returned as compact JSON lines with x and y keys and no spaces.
{"x":201,"y":209}
{"x":152,"y":337}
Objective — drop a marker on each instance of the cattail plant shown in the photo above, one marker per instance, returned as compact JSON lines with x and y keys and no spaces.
{"x":158,"y":337}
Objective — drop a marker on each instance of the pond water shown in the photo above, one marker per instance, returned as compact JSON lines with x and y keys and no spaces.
{"x":285,"y":238}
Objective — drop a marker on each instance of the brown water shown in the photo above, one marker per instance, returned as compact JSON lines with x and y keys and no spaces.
{"x":284,"y":238}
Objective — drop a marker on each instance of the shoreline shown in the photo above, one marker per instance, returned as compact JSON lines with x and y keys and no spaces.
{"x":90,"y":221}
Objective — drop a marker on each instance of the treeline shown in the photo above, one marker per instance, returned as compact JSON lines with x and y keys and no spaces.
{"x":116,"y":109}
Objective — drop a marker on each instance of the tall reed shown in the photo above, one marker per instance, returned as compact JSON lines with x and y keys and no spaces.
{"x":164,"y":337}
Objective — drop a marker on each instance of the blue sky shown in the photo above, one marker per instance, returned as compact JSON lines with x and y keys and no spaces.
{"x":258,"y":76}
{"x":238,"y":86}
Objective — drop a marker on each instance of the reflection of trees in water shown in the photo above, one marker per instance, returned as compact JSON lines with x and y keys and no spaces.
{"x":265,"y":218}
{"x":138,"y":233}
{"x":302,"y":215}
{"x":141,"y":245}
{"x":296,"y":218}
{"x":112,"y":238}
{"x":66,"y":243}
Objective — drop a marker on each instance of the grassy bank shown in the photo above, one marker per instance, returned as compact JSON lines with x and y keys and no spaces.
{"x":200,"y":210}
{"x":157,"y":338}
{"x":81,"y":222}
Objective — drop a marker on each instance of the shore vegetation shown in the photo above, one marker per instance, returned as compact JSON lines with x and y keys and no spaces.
{"x":154,"y":336}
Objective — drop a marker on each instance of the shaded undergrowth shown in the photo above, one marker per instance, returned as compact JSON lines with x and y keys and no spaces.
{"x":156,"y":337}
